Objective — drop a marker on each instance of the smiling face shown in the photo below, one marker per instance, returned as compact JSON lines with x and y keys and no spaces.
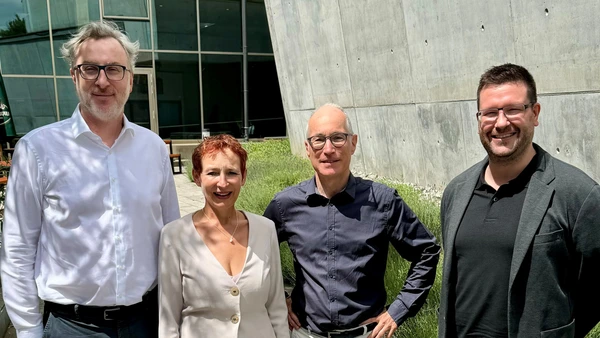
{"x":221,"y":179}
{"x":505,"y":140}
{"x":330,"y":162}
{"x":102,"y":99}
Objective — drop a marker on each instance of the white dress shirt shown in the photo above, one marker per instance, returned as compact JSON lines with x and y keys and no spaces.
{"x":82,"y":220}
{"x":198,"y":298}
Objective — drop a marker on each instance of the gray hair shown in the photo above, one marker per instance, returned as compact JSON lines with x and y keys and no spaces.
{"x":100,"y":30}
{"x":347,"y":125}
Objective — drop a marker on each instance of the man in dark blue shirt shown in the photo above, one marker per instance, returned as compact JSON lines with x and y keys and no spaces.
{"x":339,"y":228}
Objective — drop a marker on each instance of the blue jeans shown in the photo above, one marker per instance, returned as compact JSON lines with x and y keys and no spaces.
{"x":139,"y":326}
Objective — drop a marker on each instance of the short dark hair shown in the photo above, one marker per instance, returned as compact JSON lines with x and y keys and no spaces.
{"x":215,"y":144}
{"x":508,"y":73}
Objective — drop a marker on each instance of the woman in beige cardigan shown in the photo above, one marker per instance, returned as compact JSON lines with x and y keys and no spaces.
{"x":219,"y":268}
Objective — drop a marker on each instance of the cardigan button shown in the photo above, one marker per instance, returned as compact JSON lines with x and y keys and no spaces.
{"x":235,"y":319}
{"x":234,"y":291}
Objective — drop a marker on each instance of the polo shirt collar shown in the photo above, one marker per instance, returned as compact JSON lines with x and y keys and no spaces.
{"x":522,"y":180}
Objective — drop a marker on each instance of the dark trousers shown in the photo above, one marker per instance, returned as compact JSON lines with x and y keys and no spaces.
{"x":142,"y":324}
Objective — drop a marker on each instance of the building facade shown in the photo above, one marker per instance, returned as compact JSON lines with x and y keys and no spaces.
{"x":189,"y":75}
{"x":406,"y":72}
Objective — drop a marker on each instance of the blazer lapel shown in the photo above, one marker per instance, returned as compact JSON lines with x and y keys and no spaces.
{"x":460,"y":198}
{"x":458,"y":204}
{"x":539,"y":195}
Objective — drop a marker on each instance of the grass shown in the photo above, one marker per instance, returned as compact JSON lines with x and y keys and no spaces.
{"x":272,"y":167}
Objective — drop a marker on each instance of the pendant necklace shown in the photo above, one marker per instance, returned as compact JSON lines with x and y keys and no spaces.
{"x":237,"y":223}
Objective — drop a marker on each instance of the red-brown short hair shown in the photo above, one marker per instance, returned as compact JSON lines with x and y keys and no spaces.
{"x":219,"y":143}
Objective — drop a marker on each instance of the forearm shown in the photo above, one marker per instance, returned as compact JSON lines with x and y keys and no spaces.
{"x":419,"y":281}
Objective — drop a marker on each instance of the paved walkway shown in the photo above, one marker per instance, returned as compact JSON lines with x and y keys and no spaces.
{"x":189,"y":195}
{"x":190,"y":199}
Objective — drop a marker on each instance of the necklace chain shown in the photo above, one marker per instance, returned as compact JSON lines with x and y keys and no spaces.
{"x":237,"y":223}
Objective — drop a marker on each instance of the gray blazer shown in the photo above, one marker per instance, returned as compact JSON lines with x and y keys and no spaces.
{"x":554,"y":276}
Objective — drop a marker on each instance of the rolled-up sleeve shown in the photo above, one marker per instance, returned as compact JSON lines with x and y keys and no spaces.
{"x":415,"y":243}
{"x":21,"y":233}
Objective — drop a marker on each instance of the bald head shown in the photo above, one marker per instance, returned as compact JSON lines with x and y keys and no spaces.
{"x":329,"y":112}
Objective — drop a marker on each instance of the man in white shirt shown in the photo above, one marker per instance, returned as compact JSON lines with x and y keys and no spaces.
{"x":85,"y":203}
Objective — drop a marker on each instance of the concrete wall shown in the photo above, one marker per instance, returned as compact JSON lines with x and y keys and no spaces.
{"x":407,"y":74}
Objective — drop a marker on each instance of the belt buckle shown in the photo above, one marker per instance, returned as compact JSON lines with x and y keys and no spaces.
{"x":110,"y":310}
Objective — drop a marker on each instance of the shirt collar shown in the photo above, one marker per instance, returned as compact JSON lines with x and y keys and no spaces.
{"x":80,"y":127}
{"x":345,"y":196}
{"x":520,"y":181}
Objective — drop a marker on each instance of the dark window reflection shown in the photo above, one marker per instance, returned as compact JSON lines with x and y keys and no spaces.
{"x":144,"y":60}
{"x":59,"y":38}
{"x":67,"y":97}
{"x":175,"y":26}
{"x":265,"y":109}
{"x":71,"y":14}
{"x":178,"y":99}
{"x":137,"y":108}
{"x":131,"y":8}
{"x":259,"y":38}
{"x":24,"y":41}
{"x":32,"y":102}
{"x":220,"y":25}
{"x":222,"y":93}
{"x":136,"y":31}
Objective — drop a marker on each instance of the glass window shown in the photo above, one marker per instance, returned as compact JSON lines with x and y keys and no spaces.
{"x":58,"y":39}
{"x":32,"y":102}
{"x":67,"y":97}
{"x":222,"y":93}
{"x":175,"y":25}
{"x":265,"y":108}
{"x":177,"y":95}
{"x":131,"y":8}
{"x":259,"y":38}
{"x":137,"y":108}
{"x":24,"y":41}
{"x":221,"y":25}
{"x":136,"y":31}
{"x":144,"y":60}
{"x":70,"y":14}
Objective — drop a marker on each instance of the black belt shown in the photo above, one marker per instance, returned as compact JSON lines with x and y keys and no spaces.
{"x":350,"y":333}
{"x":108,"y":313}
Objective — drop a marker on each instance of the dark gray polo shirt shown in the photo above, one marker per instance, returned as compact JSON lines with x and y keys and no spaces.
{"x":483,"y":251}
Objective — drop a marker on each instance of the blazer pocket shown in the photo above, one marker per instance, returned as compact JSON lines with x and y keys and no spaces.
{"x":548,"y":237}
{"x":566,"y":331}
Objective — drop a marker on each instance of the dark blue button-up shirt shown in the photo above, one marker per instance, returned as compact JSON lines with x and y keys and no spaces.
{"x":340,"y":248}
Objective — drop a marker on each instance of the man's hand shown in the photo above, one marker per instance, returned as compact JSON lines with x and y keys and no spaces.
{"x":386,"y":326}
{"x":293,"y":321}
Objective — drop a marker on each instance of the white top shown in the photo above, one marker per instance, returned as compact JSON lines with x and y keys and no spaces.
{"x":82,"y":220}
{"x":199,"y":299}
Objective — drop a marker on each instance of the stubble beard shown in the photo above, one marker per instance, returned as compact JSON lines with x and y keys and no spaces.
{"x":115,"y":111}
{"x":520,"y":147}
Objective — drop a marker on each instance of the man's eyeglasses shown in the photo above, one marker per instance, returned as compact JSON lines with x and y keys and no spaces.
{"x":511,"y":111}
{"x":317,"y":142}
{"x":91,"y":71}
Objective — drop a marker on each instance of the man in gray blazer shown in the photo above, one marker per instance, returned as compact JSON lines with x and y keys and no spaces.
{"x":521,"y":229}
